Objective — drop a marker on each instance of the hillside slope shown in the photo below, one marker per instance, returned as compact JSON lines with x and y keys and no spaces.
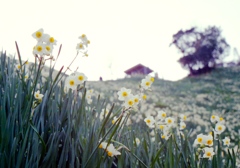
{"x":198,"y":97}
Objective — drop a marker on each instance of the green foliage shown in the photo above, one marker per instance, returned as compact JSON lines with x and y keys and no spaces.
{"x":62,"y":130}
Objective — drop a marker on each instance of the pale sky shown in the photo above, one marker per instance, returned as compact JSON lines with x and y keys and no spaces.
{"x":123,"y":33}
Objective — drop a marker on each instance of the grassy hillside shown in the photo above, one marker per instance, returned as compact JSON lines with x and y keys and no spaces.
{"x":198,"y":97}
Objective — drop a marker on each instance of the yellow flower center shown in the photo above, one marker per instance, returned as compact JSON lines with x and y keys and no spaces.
{"x":130,"y":102}
{"x":19,"y":66}
{"x":88,"y":41}
{"x":147,"y":83}
{"x":163,"y":115}
{"x":39,"y":48}
{"x":213,"y":116}
{"x":221,"y":119}
{"x":80,"y":46}
{"x":148,"y":121}
{"x":80,"y":78}
{"x":109,"y":153}
{"x":144,"y":97}
{"x":136,"y":100}
{"x":163,"y":136}
{"x":51,"y":39}
{"x":208,"y":154}
{"x":83,"y":35}
{"x":37,"y":95}
{"x":184,"y":117}
{"x":38,"y":34}
{"x":124,"y":94}
{"x":209,"y":142}
{"x":219,"y":128}
{"x":199,"y":139}
{"x":48,"y":48}
{"x":100,"y":146}
{"x":227,"y":142}
{"x":71,"y":82}
{"x":169,"y":121}
{"x":161,"y":127}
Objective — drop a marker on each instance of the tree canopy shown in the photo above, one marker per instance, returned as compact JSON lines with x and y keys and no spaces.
{"x":202,"y":50}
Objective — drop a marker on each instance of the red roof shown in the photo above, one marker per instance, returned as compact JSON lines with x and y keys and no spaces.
{"x":138,"y":69}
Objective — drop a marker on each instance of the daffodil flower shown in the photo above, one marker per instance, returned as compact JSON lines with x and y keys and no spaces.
{"x":38,"y":35}
{"x":207,"y":140}
{"x":208,"y":152}
{"x":161,"y":115}
{"x":150,"y":121}
{"x":49,"y":39}
{"x":39,"y":49}
{"x":214,"y":119}
{"x":112,"y":151}
{"x":80,"y":46}
{"x":71,"y":82}
{"x":80,"y":77}
{"x":137,"y":140}
{"x":37,"y":95}
{"x":146,"y":83}
{"x":123,"y":93}
{"x":129,"y":101}
{"x":169,"y":121}
{"x":219,"y":128}
{"x":226,"y":141}
{"x":182,"y":125}
{"x":199,"y":139}
{"x":183,"y":117}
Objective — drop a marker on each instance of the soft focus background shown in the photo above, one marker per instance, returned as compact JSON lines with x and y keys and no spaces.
{"x":122,"y":33}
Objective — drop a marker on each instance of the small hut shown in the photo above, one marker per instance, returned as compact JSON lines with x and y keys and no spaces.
{"x":138,"y":70}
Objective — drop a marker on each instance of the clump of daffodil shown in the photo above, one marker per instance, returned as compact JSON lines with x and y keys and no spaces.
{"x":147,"y":82}
{"x":83,"y":44}
{"x":73,"y":80}
{"x":205,"y":143}
{"x":203,"y":140}
{"x":44,"y":46}
{"x":130,"y":100}
{"x":166,"y":124}
{"x":218,"y":123}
